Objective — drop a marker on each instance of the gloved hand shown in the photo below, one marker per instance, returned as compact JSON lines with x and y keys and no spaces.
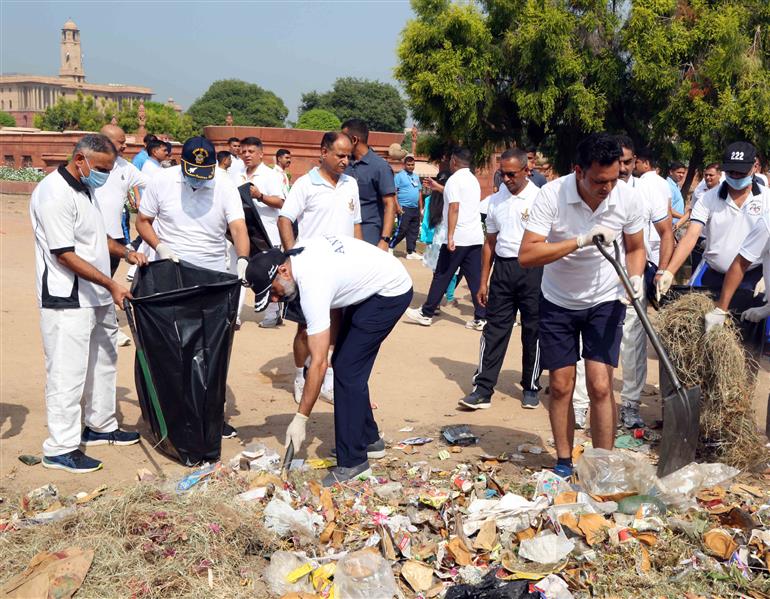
{"x":759,"y":288}
{"x":296,"y":432}
{"x":240,"y":268}
{"x":165,"y":253}
{"x":663,"y":284}
{"x":715,"y":318}
{"x":607,"y":234}
{"x":756,"y":314}
{"x":637,"y":282}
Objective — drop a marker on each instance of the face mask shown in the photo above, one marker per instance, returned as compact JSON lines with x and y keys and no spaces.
{"x":95,"y":178}
{"x":739,"y":183}
{"x":198,"y":183}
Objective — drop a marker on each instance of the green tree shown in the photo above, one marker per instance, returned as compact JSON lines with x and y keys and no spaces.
{"x":6,"y":120}
{"x":377,"y":103}
{"x":247,"y":102}
{"x":82,"y":113}
{"x":318,"y":119}
{"x":161,"y":120}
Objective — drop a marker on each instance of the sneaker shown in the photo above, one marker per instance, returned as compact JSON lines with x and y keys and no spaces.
{"x":417,"y":316}
{"x":228,"y":432}
{"x":271,"y":323}
{"x":327,"y":387}
{"x":476,"y":401}
{"x":476,"y":324}
{"x":374,"y":451}
{"x":581,"y":417}
{"x":562,"y":470}
{"x":123,"y":339}
{"x":116,"y":437}
{"x":299,"y":387}
{"x":339,"y":474}
{"x":74,"y":461}
{"x":630,"y":418}
{"x":413,"y":256}
{"x":530,"y":400}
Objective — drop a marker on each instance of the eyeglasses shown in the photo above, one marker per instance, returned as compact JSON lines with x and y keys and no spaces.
{"x":512,"y":174}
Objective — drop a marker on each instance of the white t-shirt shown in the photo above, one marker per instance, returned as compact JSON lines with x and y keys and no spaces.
{"x":654,"y":207}
{"x":150,"y":168}
{"x":269,"y":183}
{"x":335,"y":272}
{"x":725,"y":225}
{"x":237,"y":169}
{"x":192,"y":223}
{"x":111,"y":196}
{"x":507,"y":215}
{"x":762,"y":179}
{"x":463,"y":188}
{"x":319,"y":208}
{"x":65,"y":219}
{"x":584,"y":278}
{"x":756,"y":247}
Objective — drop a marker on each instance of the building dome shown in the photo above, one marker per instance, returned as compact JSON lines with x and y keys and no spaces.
{"x":70,"y":25}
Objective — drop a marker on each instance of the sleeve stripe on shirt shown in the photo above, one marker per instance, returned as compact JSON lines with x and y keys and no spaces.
{"x":57,"y":251}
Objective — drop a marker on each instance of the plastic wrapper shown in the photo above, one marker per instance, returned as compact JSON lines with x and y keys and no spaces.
{"x":677,"y":489}
{"x":364,"y":575}
{"x":511,"y":512}
{"x":283,"y":519}
{"x":493,"y":588}
{"x":283,"y":563}
{"x":605,"y":472}
{"x":546,"y":548}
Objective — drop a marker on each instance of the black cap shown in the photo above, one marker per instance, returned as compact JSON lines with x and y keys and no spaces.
{"x":199,"y":158}
{"x":261,"y":272}
{"x":739,"y":157}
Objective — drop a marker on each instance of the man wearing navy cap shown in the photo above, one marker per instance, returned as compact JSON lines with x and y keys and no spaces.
{"x":191,"y":208}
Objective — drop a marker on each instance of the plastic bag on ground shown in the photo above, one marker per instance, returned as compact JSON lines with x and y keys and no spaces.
{"x":677,"y":489}
{"x":282,"y":519}
{"x":493,"y":588}
{"x":282,"y":563}
{"x":605,"y":472}
{"x":364,"y":575}
{"x":553,"y":587}
{"x":546,"y":548}
{"x":511,"y":512}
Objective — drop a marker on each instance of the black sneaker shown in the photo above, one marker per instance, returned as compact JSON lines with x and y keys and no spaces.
{"x":476,"y":401}
{"x":116,"y":437}
{"x":530,"y":400}
{"x":228,"y":432}
{"x":374,"y":451}
{"x":339,"y":474}
{"x":74,"y":461}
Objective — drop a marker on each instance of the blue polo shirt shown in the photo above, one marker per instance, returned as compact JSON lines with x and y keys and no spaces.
{"x":140,"y":159}
{"x":677,"y":201}
{"x":408,"y":189}
{"x":375,"y":180}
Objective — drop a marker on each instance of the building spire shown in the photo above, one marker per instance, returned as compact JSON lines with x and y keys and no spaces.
{"x":71,"y":54}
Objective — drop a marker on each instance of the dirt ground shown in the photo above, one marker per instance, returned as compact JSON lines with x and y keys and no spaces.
{"x":417,"y":380}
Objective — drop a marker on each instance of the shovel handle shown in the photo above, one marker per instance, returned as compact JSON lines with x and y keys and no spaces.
{"x":640,"y":312}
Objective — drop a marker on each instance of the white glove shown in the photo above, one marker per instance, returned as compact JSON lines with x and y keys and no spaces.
{"x":637,"y":282}
{"x":296,"y":432}
{"x":759,"y":288}
{"x":165,"y":253}
{"x":607,"y":234}
{"x":756,"y":314}
{"x":240,"y":268}
{"x":663,"y":284}
{"x":715,"y":318}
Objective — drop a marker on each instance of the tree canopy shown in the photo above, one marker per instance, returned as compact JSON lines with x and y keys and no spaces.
{"x":318,"y":119}
{"x":82,"y":113}
{"x":682,"y":75}
{"x":248,"y":103}
{"x":6,"y":120}
{"x":161,"y":119}
{"x":378,"y":104}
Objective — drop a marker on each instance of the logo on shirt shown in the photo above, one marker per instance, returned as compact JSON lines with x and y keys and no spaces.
{"x":754,"y":208}
{"x":200,"y":155}
{"x":351,"y":206}
{"x":525,"y":215}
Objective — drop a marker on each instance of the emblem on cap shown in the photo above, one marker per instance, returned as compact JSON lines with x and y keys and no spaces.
{"x":200,"y":155}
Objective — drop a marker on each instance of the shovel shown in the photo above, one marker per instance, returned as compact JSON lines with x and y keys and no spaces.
{"x":681,"y":409}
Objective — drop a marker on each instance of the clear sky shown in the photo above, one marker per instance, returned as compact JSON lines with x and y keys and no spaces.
{"x":178,"y":48}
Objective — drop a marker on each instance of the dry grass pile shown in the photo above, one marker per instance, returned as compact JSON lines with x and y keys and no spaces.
{"x":151,"y":542}
{"x":725,"y":373}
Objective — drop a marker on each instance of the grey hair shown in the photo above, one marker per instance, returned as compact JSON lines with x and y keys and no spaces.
{"x":95,"y":143}
{"x":517,"y":154}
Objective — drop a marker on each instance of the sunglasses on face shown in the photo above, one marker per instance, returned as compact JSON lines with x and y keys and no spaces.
{"x":511,"y":174}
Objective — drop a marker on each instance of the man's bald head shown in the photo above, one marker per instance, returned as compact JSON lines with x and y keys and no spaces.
{"x":116,"y":135}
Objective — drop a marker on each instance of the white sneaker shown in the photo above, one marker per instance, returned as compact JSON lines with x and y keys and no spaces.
{"x":476,"y":325}
{"x":299,"y":387}
{"x":270,"y":323}
{"x":123,"y":339}
{"x":414,"y":256}
{"x":581,"y":416}
{"x":417,"y":316}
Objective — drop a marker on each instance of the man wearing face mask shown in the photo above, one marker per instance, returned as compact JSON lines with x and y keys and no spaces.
{"x":192,"y":209}
{"x":76,"y":294}
{"x":725,"y":215}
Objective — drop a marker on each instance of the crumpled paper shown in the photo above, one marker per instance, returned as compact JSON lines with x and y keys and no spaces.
{"x":59,"y":574}
{"x":511,"y":512}
{"x":546,"y":548}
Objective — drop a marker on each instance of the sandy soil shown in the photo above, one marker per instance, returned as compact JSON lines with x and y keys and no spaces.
{"x":417,"y":380}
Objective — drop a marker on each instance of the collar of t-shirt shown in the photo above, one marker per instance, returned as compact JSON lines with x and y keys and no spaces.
{"x":573,"y":197}
{"x":317,"y":179}
{"x":366,"y":158}
{"x":74,"y":183}
{"x":724,"y":189}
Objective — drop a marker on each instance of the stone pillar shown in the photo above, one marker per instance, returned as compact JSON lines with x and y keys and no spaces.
{"x":229,"y":119}
{"x":142,"y":119}
{"x":414,"y":140}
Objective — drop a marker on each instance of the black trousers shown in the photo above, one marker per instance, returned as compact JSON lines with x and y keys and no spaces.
{"x":115,"y":260}
{"x":364,"y":327}
{"x":469,"y":258}
{"x":408,"y":227}
{"x":512,"y":289}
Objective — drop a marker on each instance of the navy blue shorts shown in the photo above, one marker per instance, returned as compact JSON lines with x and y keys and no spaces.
{"x":560,"y":331}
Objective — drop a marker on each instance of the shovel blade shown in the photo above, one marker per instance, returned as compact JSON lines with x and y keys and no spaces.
{"x":681,"y":428}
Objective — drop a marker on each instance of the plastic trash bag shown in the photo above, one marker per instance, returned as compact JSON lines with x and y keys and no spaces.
{"x":364,"y":575}
{"x":283,"y":519}
{"x":283,"y":563}
{"x":185,"y":321}
{"x":605,"y":472}
{"x":678,"y":488}
{"x":493,"y":588}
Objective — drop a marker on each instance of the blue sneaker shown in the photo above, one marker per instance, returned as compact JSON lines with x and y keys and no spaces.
{"x":74,"y":461}
{"x":116,"y":437}
{"x":562,"y":470}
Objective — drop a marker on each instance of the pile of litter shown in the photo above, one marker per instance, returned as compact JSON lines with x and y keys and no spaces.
{"x":725,"y":373}
{"x":421,"y":528}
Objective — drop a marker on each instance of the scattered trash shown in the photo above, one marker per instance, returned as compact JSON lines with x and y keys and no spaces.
{"x":492,"y":587}
{"x":364,"y":575}
{"x":416,"y":441}
{"x":58,"y":574}
{"x":459,"y":434}
{"x":553,"y":587}
{"x":278,"y":573}
{"x":189,"y":481}
{"x":406,"y":429}
{"x":281,"y":518}
{"x":628,"y":441}
{"x":29,"y":460}
{"x":529,"y":448}
{"x":546,"y":548}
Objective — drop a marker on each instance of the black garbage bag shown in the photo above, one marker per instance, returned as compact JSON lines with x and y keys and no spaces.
{"x":185,"y":320}
{"x":492,"y":587}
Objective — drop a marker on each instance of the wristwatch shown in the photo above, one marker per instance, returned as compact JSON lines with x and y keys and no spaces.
{"x":128,"y":251}
{"x":386,"y":239}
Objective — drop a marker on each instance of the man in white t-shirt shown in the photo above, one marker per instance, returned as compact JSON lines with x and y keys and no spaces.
{"x":157,"y":152}
{"x":77,"y":297}
{"x":237,"y":168}
{"x":512,"y":289}
{"x":581,"y":291}
{"x":327,"y":273}
{"x":322,"y":202}
{"x":281,"y":166}
{"x":462,"y":196}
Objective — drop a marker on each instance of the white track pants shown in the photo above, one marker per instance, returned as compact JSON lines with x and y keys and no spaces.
{"x":81,"y":363}
{"x":633,"y":358}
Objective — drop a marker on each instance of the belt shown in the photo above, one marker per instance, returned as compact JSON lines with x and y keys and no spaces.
{"x":503,"y":259}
